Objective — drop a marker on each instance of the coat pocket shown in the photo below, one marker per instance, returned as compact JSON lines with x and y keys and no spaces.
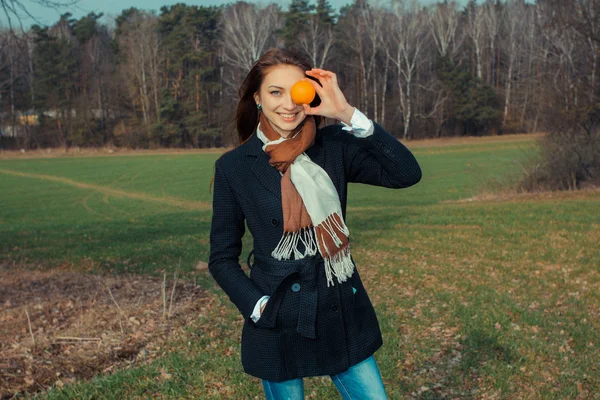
{"x":266,"y":285}
{"x":292,"y":287}
{"x":280,"y":302}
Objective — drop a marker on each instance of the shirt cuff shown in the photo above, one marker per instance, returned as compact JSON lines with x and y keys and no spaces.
{"x":360,"y":126}
{"x":256,"y":312}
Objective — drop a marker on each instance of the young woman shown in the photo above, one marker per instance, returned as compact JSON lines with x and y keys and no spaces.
{"x":306,"y":311}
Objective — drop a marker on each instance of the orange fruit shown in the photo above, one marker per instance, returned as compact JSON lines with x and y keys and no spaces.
{"x":303,"y":92}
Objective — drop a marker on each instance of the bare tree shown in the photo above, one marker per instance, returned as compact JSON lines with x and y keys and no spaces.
{"x":408,"y":41}
{"x":247,"y":31}
{"x":317,"y":41}
{"x":514,"y":20}
{"x":16,"y":9}
{"x":443,"y":22}
{"x":529,"y":47}
{"x":476,"y":31}
{"x":559,"y":21}
{"x":581,"y":15}
{"x":384,"y":84}
{"x":139,"y":40}
{"x":362,"y":37}
{"x":587,"y":17}
{"x":492,"y":22}
{"x":562,"y":44}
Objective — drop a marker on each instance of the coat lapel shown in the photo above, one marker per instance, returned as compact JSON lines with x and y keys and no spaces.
{"x":268,"y":176}
{"x":265,"y":173}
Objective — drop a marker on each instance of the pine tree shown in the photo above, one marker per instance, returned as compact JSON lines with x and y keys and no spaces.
{"x":55,"y":72}
{"x":325,"y":13}
{"x":188,"y":42}
{"x":474,"y":104}
{"x":296,"y":22}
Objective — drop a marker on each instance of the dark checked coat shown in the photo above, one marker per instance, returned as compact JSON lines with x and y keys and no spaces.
{"x":307,"y":328}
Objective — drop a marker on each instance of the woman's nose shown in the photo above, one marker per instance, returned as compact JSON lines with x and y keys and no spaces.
{"x":288,"y":103}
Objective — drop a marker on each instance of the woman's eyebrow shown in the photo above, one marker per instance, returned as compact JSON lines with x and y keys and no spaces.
{"x":278,"y":87}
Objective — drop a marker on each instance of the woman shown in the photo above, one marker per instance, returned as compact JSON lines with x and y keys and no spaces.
{"x":306,"y":311}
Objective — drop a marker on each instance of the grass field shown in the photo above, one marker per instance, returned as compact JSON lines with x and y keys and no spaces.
{"x":477,"y":296}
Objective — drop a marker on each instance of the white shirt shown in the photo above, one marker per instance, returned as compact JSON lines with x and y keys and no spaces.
{"x":360,"y":126}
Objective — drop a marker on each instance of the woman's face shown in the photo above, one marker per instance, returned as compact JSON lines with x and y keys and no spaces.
{"x":276,"y":101}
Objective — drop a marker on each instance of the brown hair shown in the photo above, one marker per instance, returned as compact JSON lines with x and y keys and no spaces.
{"x":247,"y":114}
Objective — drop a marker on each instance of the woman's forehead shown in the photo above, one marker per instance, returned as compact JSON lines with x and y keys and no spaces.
{"x":282,"y":75}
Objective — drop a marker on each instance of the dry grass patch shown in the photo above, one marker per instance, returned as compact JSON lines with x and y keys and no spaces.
{"x":59,"y":326}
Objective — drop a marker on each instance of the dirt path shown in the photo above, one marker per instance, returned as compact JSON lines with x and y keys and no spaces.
{"x":173,"y":201}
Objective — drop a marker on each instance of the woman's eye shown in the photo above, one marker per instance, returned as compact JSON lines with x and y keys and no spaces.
{"x":275,"y":92}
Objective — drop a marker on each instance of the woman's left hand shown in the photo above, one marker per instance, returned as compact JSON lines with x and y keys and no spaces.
{"x":333,"y":102}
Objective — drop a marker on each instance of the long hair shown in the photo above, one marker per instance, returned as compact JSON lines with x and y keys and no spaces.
{"x":247,"y":116}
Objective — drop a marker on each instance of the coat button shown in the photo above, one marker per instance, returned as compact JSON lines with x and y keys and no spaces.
{"x":296,"y":287}
{"x":334,"y":307}
{"x":274,"y":222}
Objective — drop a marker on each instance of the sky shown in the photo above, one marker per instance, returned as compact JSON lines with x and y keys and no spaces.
{"x":114,"y":8}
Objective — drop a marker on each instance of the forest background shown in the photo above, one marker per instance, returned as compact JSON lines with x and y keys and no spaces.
{"x":169,"y":78}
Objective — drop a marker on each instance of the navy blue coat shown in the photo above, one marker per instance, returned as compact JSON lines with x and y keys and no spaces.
{"x":307,"y":328}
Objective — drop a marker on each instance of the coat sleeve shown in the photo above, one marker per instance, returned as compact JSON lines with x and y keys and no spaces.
{"x":226,"y":232}
{"x":380,"y":159}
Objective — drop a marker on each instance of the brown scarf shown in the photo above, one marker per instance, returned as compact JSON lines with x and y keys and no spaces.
{"x":332,"y":242}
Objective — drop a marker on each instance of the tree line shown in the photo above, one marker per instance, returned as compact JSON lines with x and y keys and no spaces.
{"x":170,"y":78}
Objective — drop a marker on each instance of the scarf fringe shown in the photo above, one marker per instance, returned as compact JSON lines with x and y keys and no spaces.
{"x":340,"y":265}
{"x":328,"y":225}
{"x":288,"y":244}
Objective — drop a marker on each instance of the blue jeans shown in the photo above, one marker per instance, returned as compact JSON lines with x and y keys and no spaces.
{"x":361,"y":381}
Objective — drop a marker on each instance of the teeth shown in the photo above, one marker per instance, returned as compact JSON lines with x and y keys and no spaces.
{"x":288,"y":115}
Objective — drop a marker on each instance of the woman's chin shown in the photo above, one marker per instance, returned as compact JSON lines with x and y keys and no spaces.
{"x":287,"y":125}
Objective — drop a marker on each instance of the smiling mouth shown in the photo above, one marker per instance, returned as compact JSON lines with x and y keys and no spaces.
{"x":288,"y":116}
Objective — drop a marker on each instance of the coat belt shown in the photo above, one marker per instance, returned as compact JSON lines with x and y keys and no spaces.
{"x":277,"y":271}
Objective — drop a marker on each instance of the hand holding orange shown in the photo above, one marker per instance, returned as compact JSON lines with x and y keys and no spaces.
{"x":302,"y":92}
{"x":333,"y":102}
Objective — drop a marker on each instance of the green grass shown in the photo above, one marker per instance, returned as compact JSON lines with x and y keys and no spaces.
{"x":481,"y":299}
